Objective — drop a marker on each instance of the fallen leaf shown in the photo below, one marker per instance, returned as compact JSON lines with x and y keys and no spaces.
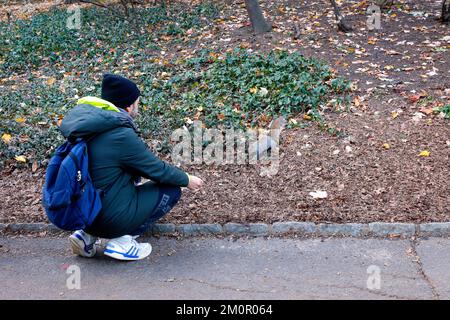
{"x":372,"y":40}
{"x":414,"y":98}
{"x":426,"y":111}
{"x":254,"y":90}
{"x":51,"y":81}
{"x":386,"y":145}
{"x":20,"y":120}
{"x":34,"y":166}
{"x":6,"y":138}
{"x":319,"y":194}
{"x":263,"y":92}
{"x":21,"y":159}
{"x":424,"y":153}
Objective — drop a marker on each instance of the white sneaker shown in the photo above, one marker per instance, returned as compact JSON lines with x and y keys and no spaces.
{"x":83,"y":244}
{"x":126,"y":248}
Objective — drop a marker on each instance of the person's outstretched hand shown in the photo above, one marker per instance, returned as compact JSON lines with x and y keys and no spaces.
{"x":195,"y":182}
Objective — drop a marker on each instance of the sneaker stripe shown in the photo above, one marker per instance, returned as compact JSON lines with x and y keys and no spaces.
{"x":121,"y":253}
{"x":87,"y":248}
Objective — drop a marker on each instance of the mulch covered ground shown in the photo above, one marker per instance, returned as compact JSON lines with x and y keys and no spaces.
{"x":372,"y":173}
{"x":364,"y":181}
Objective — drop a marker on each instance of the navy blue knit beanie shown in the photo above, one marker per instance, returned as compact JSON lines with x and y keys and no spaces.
{"x":119,"y":90}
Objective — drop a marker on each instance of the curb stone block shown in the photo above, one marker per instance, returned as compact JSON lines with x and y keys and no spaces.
{"x":348,"y":229}
{"x":27,"y":227}
{"x":202,"y":229}
{"x":251,"y":228}
{"x":235,"y":228}
{"x":53,"y":229}
{"x":259,"y":229}
{"x":211,"y":228}
{"x":375,"y":229}
{"x":435,"y":229}
{"x":305,"y":228}
{"x":162,"y":228}
{"x":383,"y":229}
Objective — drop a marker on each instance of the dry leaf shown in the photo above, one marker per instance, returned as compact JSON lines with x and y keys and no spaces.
{"x":6,"y":138}
{"x":51,"y":81}
{"x":426,"y":111}
{"x":34,"y":166}
{"x":424,"y":153}
{"x":414,"y":98}
{"x":372,"y":40}
{"x":21,"y":159}
{"x":319,"y":194}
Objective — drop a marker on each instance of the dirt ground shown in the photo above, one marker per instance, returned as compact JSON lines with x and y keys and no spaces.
{"x":373,"y":172}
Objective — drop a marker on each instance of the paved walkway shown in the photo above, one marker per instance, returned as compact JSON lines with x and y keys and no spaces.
{"x":205,"y":268}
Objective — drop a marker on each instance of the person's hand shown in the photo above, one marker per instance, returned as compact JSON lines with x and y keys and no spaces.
{"x":195,"y":182}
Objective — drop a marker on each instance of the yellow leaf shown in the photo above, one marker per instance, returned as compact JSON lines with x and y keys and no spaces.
{"x":306,"y":117}
{"x":21,"y":159}
{"x":394,"y":114}
{"x":424,"y":153}
{"x":386,"y":146}
{"x":51,"y":81}
{"x":6,"y":138}
{"x":20,"y":120}
{"x":254,"y":90}
{"x":372,"y":40}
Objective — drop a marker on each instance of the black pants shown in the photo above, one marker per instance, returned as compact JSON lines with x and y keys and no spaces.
{"x":168,"y":198}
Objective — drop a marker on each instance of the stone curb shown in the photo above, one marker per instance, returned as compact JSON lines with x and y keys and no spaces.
{"x":374,"y":229}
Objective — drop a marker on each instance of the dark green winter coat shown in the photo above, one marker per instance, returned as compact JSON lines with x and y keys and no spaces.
{"x":117,"y":156}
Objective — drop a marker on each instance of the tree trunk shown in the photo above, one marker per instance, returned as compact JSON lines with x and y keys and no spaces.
{"x":445,"y":11}
{"x":257,"y":19}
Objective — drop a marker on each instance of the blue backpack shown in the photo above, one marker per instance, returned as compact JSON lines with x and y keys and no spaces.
{"x":70,"y":199}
